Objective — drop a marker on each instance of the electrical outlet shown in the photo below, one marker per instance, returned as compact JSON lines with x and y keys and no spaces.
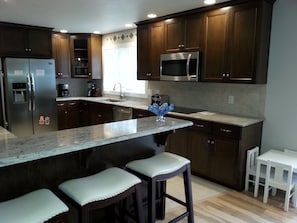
{"x":231,"y":99}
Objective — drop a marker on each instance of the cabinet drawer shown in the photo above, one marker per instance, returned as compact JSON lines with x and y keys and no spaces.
{"x":201,"y":126}
{"x":224,"y":130}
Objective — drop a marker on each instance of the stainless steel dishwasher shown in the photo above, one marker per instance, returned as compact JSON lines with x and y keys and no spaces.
{"x":121,"y":113}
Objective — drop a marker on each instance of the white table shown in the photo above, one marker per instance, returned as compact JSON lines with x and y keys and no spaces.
{"x":276,"y":156}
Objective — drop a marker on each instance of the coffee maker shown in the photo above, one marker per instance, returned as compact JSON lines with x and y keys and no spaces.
{"x":91,"y":89}
{"x":63,"y":90}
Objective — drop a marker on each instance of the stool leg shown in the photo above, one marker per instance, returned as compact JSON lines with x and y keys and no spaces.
{"x":151,"y":201}
{"x":84,"y":215}
{"x":138,"y":204}
{"x":161,"y":205}
{"x":188,"y":194}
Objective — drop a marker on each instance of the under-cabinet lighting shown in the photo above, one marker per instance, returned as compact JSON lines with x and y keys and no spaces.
{"x":209,"y":2}
{"x":63,"y":31}
{"x":97,"y":32}
{"x":151,"y":15}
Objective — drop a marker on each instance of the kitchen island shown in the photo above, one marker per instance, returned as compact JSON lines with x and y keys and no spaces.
{"x":46,"y":160}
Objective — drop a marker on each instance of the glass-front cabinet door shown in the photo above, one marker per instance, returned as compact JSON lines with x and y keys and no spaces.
{"x":80,"y":56}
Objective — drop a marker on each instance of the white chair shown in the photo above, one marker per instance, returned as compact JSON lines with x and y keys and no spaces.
{"x":38,"y":206}
{"x":251,"y":166}
{"x":280,"y":176}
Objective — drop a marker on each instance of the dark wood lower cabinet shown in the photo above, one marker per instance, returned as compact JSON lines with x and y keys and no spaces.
{"x":68,"y":114}
{"x":217,"y":151}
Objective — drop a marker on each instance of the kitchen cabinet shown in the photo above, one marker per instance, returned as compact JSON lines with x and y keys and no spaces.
{"x":84,"y":113}
{"x":68,"y":114}
{"x":141,"y":113}
{"x":61,"y":53}
{"x":150,"y":44}
{"x":25,"y":41}
{"x":217,"y":151}
{"x":237,"y":43}
{"x":100,"y":113}
{"x":183,"y":33}
{"x":86,"y":56}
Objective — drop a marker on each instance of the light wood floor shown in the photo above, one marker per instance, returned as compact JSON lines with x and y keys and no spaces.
{"x":215,"y":204}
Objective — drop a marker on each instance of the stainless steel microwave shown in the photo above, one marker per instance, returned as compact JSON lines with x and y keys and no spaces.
{"x":183,"y":66}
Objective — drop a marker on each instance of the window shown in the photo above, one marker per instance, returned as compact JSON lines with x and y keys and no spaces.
{"x":119,"y":52}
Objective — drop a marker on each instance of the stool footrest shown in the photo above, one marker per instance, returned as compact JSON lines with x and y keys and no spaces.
{"x":178,"y":218}
{"x":176,"y":200}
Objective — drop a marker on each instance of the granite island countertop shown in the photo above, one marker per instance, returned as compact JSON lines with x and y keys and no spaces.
{"x":204,"y":115}
{"x":24,"y":149}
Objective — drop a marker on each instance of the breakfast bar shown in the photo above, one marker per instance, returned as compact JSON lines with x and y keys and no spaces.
{"x":46,"y":160}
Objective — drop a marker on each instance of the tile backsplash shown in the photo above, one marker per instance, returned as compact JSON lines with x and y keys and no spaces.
{"x":248,"y":99}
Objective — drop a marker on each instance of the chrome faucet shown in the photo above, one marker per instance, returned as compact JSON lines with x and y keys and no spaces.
{"x":121,"y":92}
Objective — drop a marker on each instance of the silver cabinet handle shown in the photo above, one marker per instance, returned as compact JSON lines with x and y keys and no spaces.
{"x":225,"y":130}
{"x":199,"y":125}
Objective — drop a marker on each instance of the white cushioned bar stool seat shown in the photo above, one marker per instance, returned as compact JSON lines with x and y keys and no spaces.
{"x":35,"y":207}
{"x":103,"y":189}
{"x":159,"y":168}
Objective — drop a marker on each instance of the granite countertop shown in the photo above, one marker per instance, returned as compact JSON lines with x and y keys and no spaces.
{"x":23,"y":149}
{"x":204,"y":115}
{"x":5,"y":134}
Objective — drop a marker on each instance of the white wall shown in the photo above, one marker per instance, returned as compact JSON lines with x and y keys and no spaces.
{"x":280,"y":126}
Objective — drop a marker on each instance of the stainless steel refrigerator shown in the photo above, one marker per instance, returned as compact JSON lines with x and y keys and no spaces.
{"x":30,"y":95}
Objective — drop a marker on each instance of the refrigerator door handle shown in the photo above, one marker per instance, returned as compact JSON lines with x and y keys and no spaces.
{"x":29,"y":92}
{"x":33,"y":91}
{"x":5,"y":122}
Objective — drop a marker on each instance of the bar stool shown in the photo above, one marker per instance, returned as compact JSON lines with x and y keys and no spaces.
{"x":102,"y":190}
{"x":160,"y":168}
{"x":38,"y":206}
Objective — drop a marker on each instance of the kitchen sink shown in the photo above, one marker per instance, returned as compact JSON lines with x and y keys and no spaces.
{"x":114,"y":100}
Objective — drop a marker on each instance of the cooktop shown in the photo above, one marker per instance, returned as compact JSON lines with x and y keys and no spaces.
{"x":185,"y":110}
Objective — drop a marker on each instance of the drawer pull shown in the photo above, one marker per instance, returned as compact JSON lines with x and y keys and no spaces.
{"x":199,"y":125}
{"x":225,"y":130}
{"x":72,"y":103}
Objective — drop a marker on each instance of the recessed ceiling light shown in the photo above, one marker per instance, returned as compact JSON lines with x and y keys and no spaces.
{"x":129,"y":25}
{"x":209,"y":2}
{"x":63,"y":31}
{"x":151,"y":15}
{"x":97,"y":32}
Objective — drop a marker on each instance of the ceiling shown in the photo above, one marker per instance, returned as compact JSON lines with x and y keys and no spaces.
{"x":86,"y":16}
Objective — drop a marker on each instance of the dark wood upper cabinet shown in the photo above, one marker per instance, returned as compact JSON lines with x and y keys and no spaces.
{"x":86,"y":56}
{"x":233,"y":38}
{"x":150,"y":44}
{"x":25,"y":41}
{"x":61,"y":53}
{"x":237,"y":43}
{"x":183,"y":33}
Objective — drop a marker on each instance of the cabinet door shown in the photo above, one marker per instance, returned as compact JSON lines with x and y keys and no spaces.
{"x":174,"y":34}
{"x":73,"y":115}
{"x":61,"y":54}
{"x":193,"y":32}
{"x":216,"y":39}
{"x":223,"y":161}
{"x":143,"y":52}
{"x":40,"y":43}
{"x":199,"y":150}
{"x":140,"y":113}
{"x":150,"y":44}
{"x":100,"y":113}
{"x":12,"y":41}
{"x":62,"y":115}
{"x":243,"y":43}
{"x":80,"y":56}
{"x":96,"y":56}
{"x":178,"y":143}
{"x":84,"y":113}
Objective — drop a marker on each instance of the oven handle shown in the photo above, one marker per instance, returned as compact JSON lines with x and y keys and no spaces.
{"x":188,"y":66}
